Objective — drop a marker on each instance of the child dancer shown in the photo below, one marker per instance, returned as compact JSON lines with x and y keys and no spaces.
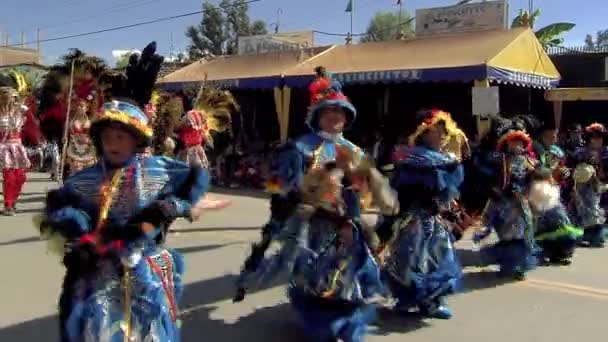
{"x":121,"y":283}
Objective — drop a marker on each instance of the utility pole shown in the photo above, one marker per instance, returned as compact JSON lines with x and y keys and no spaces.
{"x":400,"y":34}
{"x":278,"y":23}
{"x":23,"y":39}
{"x":38,"y":41}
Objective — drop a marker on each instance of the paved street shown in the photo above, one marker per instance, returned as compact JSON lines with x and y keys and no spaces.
{"x":555,"y":304}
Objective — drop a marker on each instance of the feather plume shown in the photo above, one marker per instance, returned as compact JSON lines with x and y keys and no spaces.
{"x":218,"y":106}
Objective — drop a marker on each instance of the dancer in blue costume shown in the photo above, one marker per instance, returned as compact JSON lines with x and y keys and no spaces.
{"x":293,"y":159}
{"x":121,"y":283}
{"x":589,"y":186}
{"x":508,"y":211}
{"x":555,"y":233}
{"x":333,"y":275}
{"x":421,"y":267}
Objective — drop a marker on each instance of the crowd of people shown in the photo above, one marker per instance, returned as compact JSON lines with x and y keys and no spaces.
{"x":135,"y":162}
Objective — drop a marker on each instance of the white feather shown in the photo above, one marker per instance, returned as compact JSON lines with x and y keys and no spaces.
{"x":544,"y":196}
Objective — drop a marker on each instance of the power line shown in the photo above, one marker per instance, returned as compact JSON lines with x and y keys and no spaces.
{"x":111,"y":9}
{"x":365,"y":33}
{"x":117,"y":28}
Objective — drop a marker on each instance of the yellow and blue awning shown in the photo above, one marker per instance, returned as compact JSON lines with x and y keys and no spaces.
{"x":509,"y":56}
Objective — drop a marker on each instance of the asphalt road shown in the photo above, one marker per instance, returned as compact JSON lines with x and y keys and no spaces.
{"x":554,"y":304}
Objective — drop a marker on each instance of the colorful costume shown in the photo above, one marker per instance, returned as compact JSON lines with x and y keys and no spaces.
{"x":291,"y":161}
{"x":90,"y":79}
{"x":589,"y":186}
{"x":169,"y":110}
{"x":316,"y":226}
{"x":421,"y":266}
{"x":80,"y":150}
{"x":121,"y":283}
{"x":13,"y":156}
{"x":555,"y":233}
{"x":508,"y":211}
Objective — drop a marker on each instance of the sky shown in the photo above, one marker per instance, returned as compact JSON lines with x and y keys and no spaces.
{"x":58,"y":18}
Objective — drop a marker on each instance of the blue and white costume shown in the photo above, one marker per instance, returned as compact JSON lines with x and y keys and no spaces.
{"x":508,"y":211}
{"x":589,"y":190}
{"x":421,"y":267}
{"x":141,"y":277}
{"x":333,"y":279}
{"x":121,"y":284}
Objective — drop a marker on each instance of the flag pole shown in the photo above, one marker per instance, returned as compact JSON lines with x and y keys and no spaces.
{"x":400,"y":29}
{"x":352,"y":8}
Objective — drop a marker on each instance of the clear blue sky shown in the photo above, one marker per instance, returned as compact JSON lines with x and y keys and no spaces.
{"x":64,"y":17}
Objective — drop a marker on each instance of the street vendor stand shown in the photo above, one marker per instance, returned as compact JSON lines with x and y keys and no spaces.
{"x":560,"y":95}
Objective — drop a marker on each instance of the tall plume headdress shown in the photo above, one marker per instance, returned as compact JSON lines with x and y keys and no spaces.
{"x":217,"y":106}
{"x":130,"y":92}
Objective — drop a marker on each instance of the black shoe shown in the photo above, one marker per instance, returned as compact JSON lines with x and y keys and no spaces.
{"x":239,"y":296}
{"x":519,"y":276}
{"x":10,"y":212}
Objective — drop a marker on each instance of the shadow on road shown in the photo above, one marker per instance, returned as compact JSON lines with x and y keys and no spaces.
{"x":390,"y":322}
{"x":202,"y":230}
{"x":240,"y":192}
{"x":20,"y":241}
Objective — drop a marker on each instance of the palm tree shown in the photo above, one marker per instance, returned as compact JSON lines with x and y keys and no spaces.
{"x":550,"y":35}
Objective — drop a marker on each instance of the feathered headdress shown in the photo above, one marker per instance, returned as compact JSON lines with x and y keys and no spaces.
{"x":514,"y":129}
{"x":130,"y":93}
{"x":90,"y":81}
{"x":217,"y":105}
{"x":426,"y":119}
{"x":327,"y":92}
{"x":596,"y":129}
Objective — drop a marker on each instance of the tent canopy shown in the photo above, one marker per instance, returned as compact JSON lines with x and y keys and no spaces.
{"x":238,"y":71}
{"x":577,"y":94}
{"x":506,"y":56}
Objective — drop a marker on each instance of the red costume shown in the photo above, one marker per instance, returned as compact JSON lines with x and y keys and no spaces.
{"x":192,"y":134}
{"x":13,"y":157}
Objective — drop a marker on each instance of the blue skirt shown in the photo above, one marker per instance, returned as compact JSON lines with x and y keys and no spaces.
{"x":513,"y":256}
{"x":94,"y":306}
{"x":423,"y":267}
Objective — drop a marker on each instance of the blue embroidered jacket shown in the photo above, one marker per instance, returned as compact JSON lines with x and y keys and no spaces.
{"x":73,"y":209}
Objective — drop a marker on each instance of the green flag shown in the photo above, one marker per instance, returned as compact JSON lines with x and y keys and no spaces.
{"x":349,"y":7}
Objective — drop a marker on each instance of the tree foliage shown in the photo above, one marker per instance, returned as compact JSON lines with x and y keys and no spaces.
{"x":220,"y":27}
{"x":386,"y":26}
{"x":550,"y":35}
{"x":601,"y":40}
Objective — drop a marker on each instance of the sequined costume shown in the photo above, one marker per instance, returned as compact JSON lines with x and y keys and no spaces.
{"x":508,"y":211}
{"x":291,"y":161}
{"x":192,"y":135}
{"x":316,"y":234}
{"x":421,"y":266}
{"x":80,"y":151}
{"x":121,"y":283}
{"x":556,"y":235}
{"x":589,"y":189}
{"x":13,"y":157}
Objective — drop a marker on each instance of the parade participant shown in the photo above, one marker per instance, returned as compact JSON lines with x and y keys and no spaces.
{"x":589,"y":185}
{"x":334,"y":279}
{"x":508,"y":210}
{"x":121,"y":283}
{"x":212,"y":112}
{"x":85,"y":79}
{"x":422,"y":267}
{"x":555,"y":234}
{"x":13,"y":156}
{"x":330,"y":113}
{"x":80,"y":151}
{"x":169,"y":111}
